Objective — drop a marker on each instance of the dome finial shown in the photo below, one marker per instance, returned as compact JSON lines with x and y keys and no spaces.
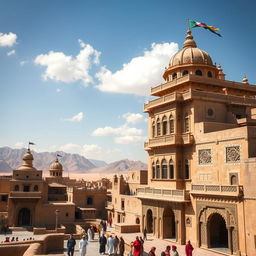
{"x":189,"y":42}
{"x":245,"y":80}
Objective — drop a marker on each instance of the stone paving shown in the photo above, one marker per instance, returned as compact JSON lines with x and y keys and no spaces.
{"x":93,"y":247}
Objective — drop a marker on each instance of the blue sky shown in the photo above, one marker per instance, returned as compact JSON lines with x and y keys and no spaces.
{"x":74,"y":74}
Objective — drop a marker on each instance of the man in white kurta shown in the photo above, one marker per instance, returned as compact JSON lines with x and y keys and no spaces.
{"x":89,"y":234}
{"x":110,"y":245}
{"x":82,"y":246}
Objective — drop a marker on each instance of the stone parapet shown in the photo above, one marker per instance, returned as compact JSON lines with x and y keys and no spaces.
{"x":217,"y":190}
{"x":176,"y":195}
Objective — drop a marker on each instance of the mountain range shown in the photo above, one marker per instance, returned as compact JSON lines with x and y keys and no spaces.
{"x":73,"y":163}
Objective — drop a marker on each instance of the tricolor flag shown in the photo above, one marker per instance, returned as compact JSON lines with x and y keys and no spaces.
{"x":59,"y":155}
{"x":31,"y":143}
{"x":193,"y":24}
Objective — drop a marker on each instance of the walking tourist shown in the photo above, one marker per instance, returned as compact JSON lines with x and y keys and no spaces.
{"x":89,"y":234}
{"x":174,"y":251}
{"x":93,"y":233}
{"x":104,"y":226}
{"x":110,"y":245}
{"x":189,"y":248}
{"x":121,"y":246}
{"x":167,"y":250}
{"x":82,"y":246}
{"x":71,"y":245}
{"x":137,"y":247}
{"x":103,"y":242}
{"x":116,"y":243}
{"x":145,"y":234}
{"x":152,"y":251}
{"x":142,"y":246}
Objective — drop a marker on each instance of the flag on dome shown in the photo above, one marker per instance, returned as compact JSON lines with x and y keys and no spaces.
{"x":193,"y":24}
{"x":31,"y":143}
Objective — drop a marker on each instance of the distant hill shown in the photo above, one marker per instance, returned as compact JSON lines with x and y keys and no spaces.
{"x":73,"y":163}
{"x":121,"y":166}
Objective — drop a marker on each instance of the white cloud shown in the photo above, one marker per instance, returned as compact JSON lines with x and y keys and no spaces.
{"x":58,"y":90}
{"x":19,"y":144}
{"x":8,"y":39}
{"x":137,"y":76}
{"x":128,"y":139}
{"x":76,"y":118}
{"x":23,"y":62}
{"x":122,"y":130}
{"x":71,"y":148}
{"x":134,"y":118}
{"x":12,"y":52}
{"x":68,"y":69}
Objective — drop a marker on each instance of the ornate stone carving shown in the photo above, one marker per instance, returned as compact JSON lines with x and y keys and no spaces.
{"x":233,"y":154}
{"x":204,"y":156}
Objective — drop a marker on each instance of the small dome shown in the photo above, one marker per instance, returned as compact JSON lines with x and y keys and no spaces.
{"x":56,"y":166}
{"x":27,"y":162}
{"x":190,"y":54}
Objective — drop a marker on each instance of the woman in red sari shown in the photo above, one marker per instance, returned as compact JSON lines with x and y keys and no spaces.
{"x":136,"y":247}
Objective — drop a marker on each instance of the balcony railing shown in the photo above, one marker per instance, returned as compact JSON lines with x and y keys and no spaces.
{"x":21,"y":194}
{"x":221,"y":190}
{"x":184,"y":139}
{"x":163,"y":194}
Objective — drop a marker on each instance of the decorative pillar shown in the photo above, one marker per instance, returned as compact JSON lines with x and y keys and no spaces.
{"x":176,"y":230}
{"x":230,"y":246}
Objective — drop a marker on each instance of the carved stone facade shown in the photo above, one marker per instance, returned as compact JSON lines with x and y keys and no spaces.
{"x":232,"y":154}
{"x":205,"y":210}
{"x":204,"y":156}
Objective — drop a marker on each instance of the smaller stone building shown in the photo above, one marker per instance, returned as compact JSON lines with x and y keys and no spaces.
{"x":122,"y":206}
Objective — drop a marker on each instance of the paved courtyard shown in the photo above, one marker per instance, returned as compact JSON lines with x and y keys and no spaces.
{"x":93,"y":247}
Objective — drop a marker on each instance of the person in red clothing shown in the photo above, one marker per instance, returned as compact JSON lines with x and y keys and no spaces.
{"x":152,"y":251}
{"x":137,"y":247}
{"x":167,"y":250}
{"x":189,"y":249}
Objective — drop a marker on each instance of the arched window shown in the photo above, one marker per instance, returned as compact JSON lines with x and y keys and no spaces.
{"x":164,"y":169}
{"x":171,"y":169}
{"x":171,"y":124}
{"x":153,"y":171}
{"x":164,"y":123}
{"x":186,"y":123}
{"x":198,"y":72}
{"x":158,"y":127}
{"x":89,"y":200}
{"x":157,"y":170}
{"x":174,"y":76}
{"x":185,"y":72}
{"x":209,"y":74}
{"x":137,"y":220}
{"x":16,"y":188}
{"x":187,"y":171}
{"x":153,"y":129}
{"x":36,"y":188}
{"x":233,"y":180}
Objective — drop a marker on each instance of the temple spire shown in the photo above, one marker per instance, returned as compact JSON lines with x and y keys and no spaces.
{"x":189,"y":42}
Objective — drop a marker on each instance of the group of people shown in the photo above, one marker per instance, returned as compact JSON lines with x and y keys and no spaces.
{"x":15,"y":239}
{"x":113,"y":243}
{"x":137,"y":249}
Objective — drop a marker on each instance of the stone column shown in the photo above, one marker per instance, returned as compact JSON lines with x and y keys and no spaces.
{"x":230,"y":247}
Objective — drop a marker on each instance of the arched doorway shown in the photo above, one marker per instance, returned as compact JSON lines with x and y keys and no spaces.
{"x":217,"y":232}
{"x":24,"y":217}
{"x":169,"y":228}
{"x":149,"y":224}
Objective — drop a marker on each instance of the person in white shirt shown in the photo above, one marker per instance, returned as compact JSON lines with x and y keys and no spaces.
{"x":82,"y":246}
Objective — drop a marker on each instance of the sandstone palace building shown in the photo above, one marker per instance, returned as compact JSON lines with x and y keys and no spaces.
{"x":201,"y":159}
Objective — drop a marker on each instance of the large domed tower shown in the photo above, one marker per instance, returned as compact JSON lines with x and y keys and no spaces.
{"x":56,"y":169}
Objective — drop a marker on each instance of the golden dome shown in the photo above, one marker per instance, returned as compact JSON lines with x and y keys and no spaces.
{"x":27,"y":162}
{"x":56,"y":166}
{"x":190,"y":54}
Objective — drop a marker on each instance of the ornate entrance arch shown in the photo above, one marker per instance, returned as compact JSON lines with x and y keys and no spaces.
{"x":149,"y":221}
{"x":217,"y":231}
{"x":24,"y":217}
{"x":169,"y":226}
{"x":217,"y":226}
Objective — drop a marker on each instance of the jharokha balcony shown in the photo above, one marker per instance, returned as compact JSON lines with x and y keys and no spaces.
{"x":168,"y":140}
{"x":176,"y":195}
{"x":217,"y":190}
